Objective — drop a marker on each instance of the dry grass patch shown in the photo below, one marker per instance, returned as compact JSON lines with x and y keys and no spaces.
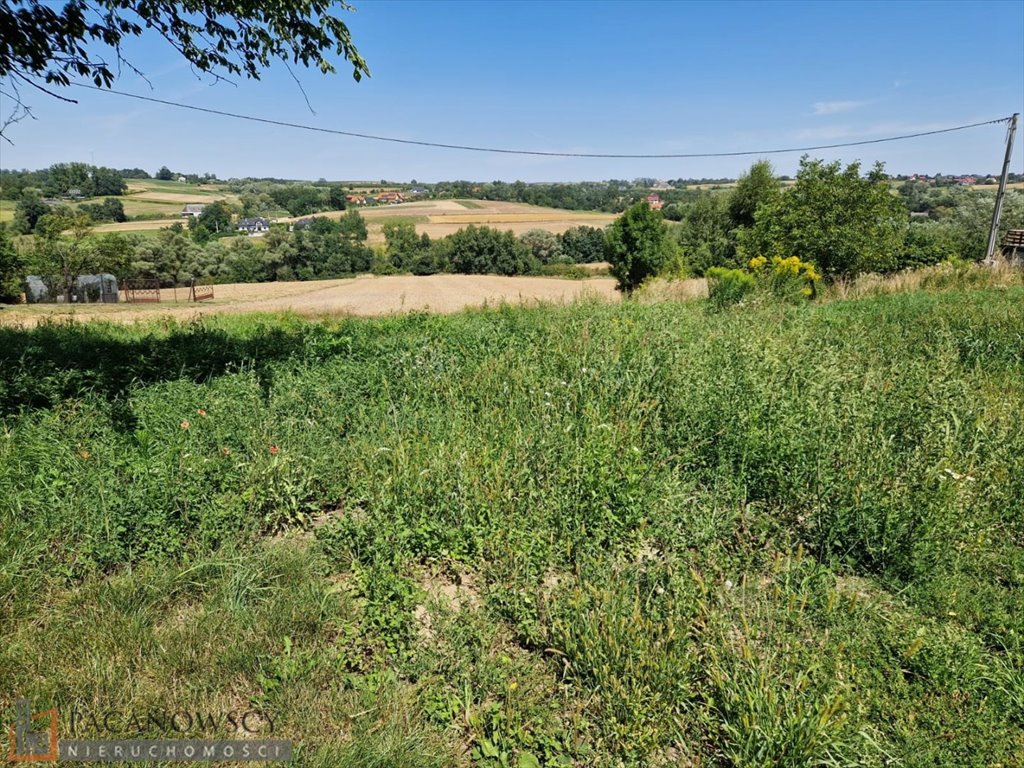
{"x":673,"y":290}
{"x":364,"y":295}
{"x":948,"y":275}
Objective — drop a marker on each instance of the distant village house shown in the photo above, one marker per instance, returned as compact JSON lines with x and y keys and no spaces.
{"x":654,"y":201}
{"x":254,"y":226}
{"x":192,"y":209}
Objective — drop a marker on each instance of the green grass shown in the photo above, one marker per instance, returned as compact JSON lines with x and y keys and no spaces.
{"x":399,"y":219}
{"x":585,"y":535}
{"x":155,"y":185}
{"x":7,"y":208}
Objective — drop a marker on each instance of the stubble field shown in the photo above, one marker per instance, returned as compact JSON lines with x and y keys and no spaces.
{"x":366,"y":295}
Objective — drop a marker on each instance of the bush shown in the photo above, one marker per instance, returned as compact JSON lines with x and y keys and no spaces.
{"x":482,"y":250}
{"x":583,"y":245}
{"x":788,"y":278}
{"x":544,"y":246}
{"x":843,"y":222}
{"x":729,"y":286}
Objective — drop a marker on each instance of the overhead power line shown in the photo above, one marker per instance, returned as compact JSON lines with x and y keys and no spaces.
{"x":501,"y":151}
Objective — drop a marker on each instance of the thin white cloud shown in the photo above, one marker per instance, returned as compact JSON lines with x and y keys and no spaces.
{"x":892,"y":128}
{"x":835,"y":107}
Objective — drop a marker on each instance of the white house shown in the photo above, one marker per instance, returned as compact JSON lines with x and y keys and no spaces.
{"x":254,"y":226}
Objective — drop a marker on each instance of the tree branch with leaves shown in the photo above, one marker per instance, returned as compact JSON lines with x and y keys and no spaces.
{"x":48,"y":48}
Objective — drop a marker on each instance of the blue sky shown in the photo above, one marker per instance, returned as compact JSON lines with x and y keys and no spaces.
{"x":622,"y":77}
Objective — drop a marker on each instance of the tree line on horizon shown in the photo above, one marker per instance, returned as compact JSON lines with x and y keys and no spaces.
{"x":839,"y":219}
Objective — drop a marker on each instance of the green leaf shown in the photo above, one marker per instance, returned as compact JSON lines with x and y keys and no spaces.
{"x":488,"y":748}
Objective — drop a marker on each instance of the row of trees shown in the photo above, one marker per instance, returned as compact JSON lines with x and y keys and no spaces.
{"x":612,"y":196}
{"x":328,"y":249}
{"x":63,"y":180}
{"x":31,"y":208}
{"x":840,"y":220}
{"x":834,"y":218}
{"x":324,"y":249}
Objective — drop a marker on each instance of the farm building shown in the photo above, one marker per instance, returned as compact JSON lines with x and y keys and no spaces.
{"x":302,"y":224}
{"x":192,"y":209}
{"x":654,"y":201}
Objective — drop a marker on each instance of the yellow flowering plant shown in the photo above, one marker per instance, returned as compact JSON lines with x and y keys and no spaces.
{"x":786,"y":276}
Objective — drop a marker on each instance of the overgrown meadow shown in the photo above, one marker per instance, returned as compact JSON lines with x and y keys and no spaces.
{"x":590,"y":535}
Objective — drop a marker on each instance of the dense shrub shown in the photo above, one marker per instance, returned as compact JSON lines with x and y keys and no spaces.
{"x":482,"y":250}
{"x":729,"y":286}
{"x":583,"y":245}
{"x":835,"y":218}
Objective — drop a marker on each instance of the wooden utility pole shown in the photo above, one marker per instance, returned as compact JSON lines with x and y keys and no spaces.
{"x":993,"y":233}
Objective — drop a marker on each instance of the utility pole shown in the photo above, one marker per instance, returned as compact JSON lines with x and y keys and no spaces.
{"x":993,"y":233}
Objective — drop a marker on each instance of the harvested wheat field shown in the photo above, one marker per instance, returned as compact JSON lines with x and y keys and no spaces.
{"x":365,"y":295}
{"x":436,"y":218}
{"x":439,"y":218}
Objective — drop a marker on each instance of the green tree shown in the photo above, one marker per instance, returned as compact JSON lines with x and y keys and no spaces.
{"x":972,"y":217}
{"x":113,"y":253}
{"x":164,"y":174}
{"x":107,"y":181}
{"x":12,"y":268}
{"x":110,"y":209}
{"x":54,"y":255}
{"x":29,"y":209}
{"x":215,"y":219}
{"x":336,"y":197}
{"x":544,"y":246}
{"x":583,"y":245}
{"x":638,"y":246}
{"x":62,"y":178}
{"x":755,"y":188}
{"x":840,"y":221}
{"x":483,"y":250}
{"x":705,"y":234}
{"x":353,"y":226}
{"x":172,"y":257}
{"x":404,"y":248}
